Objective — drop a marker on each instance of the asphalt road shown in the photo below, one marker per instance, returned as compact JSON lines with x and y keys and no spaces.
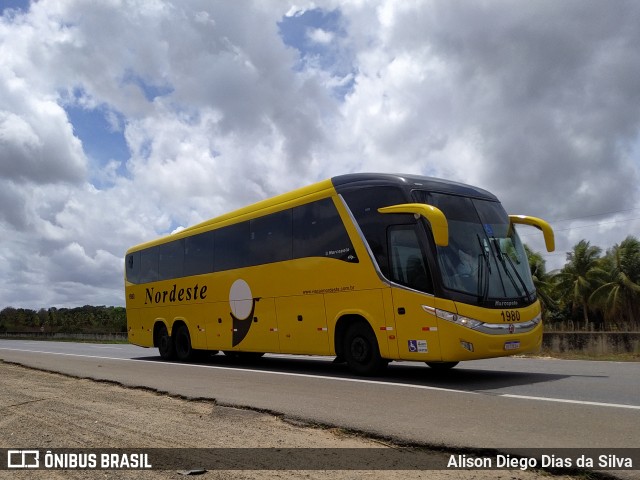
{"x":500,"y":404}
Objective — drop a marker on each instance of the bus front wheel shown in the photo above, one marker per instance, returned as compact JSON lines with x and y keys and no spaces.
{"x":361,"y":350}
{"x":165,"y":343}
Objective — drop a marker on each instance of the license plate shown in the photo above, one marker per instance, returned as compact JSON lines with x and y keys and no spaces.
{"x":511,"y":345}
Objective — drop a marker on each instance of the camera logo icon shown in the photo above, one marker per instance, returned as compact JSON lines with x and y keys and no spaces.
{"x":23,"y":459}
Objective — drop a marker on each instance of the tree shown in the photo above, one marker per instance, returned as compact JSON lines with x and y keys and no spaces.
{"x":620,"y":296}
{"x":541,"y":279}
{"x":581,"y":276}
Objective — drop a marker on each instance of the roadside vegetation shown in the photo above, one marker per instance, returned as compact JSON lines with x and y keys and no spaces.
{"x":594,"y":291}
{"x":87,"y":319}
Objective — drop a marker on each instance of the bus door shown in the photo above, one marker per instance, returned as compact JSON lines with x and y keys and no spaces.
{"x":413,"y":301}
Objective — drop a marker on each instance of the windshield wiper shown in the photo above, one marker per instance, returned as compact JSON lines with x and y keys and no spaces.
{"x":520,"y":279}
{"x":502,"y":256}
{"x":483,"y":277}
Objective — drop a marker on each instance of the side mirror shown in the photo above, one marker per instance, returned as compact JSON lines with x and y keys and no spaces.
{"x":547,"y":231}
{"x":434,"y":216}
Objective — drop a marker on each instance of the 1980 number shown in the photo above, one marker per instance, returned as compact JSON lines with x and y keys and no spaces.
{"x":510,"y":315}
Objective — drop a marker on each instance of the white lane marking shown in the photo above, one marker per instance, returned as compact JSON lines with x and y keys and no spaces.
{"x":565,"y":400}
{"x":68,"y":354}
{"x":340,"y":379}
{"x":114,"y":348}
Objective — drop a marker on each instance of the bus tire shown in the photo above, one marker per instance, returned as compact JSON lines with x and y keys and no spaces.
{"x":182,"y":341}
{"x":361,"y":350}
{"x":442,"y":366}
{"x":165,"y":343}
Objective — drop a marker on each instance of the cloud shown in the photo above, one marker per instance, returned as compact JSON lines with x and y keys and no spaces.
{"x":216,"y":106}
{"x":36,"y":141}
{"x":318,"y":35}
{"x":534,"y":103}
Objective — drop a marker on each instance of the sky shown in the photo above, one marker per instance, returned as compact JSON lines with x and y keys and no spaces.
{"x":123,"y":120}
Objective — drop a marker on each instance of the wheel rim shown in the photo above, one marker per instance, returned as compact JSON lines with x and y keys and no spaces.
{"x":360,"y":349}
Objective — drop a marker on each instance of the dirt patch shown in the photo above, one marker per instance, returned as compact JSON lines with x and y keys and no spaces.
{"x":50,"y":411}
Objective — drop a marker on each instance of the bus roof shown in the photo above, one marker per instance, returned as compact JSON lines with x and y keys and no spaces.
{"x":431,"y":184}
{"x":323,"y":188}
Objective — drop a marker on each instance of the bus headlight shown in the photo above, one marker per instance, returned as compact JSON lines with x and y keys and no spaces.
{"x":459,"y":319}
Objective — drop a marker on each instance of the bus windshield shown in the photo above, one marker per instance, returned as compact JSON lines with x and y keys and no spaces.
{"x":485,"y":257}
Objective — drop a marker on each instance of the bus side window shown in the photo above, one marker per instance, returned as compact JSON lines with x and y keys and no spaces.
{"x":149,"y":265}
{"x":171,"y":261}
{"x":271,"y":238}
{"x":318,"y":231}
{"x":364,"y":204}
{"x":232,"y":247}
{"x":408,"y":263}
{"x":198,"y":254}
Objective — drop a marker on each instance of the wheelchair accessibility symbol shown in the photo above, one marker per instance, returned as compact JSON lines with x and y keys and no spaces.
{"x":418,"y":346}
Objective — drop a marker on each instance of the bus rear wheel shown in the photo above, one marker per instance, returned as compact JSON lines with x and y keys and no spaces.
{"x":165,"y":343}
{"x":184,"y":352}
{"x":441,"y":366}
{"x":361,"y":351}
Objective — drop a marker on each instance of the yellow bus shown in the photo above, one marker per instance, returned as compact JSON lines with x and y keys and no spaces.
{"x":369,"y":268}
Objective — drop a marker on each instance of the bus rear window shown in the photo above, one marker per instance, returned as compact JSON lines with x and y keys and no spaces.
{"x":132,"y":267}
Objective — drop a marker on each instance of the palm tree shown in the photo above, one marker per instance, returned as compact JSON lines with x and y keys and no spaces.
{"x":541,"y":279}
{"x":581,"y":276}
{"x":620,"y":296}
